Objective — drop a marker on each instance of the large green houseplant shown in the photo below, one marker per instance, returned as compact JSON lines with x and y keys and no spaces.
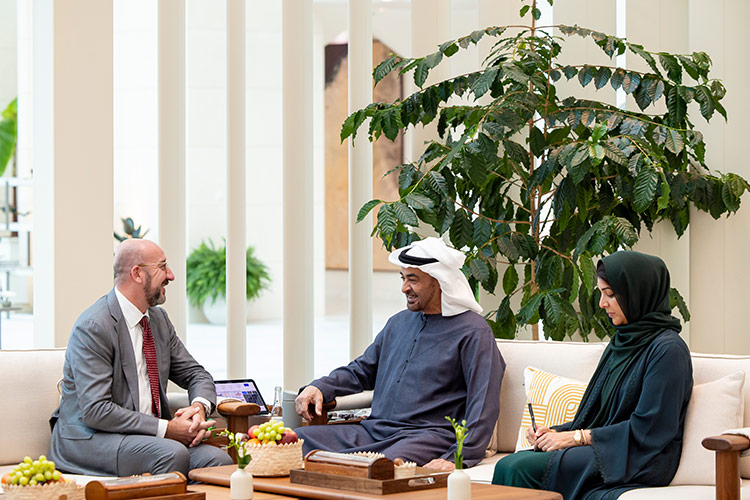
{"x":206,"y":274}
{"x":542,"y":183}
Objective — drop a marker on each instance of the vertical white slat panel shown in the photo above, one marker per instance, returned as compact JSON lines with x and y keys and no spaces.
{"x":298,"y":191}
{"x":172,"y":143}
{"x":73,"y":171}
{"x":360,"y":179}
{"x":236,"y":261}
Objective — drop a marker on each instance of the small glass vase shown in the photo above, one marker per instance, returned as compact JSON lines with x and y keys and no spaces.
{"x":459,"y":485}
{"x":241,"y":481}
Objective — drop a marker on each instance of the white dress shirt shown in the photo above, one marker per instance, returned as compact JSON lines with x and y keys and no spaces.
{"x":133,"y":317}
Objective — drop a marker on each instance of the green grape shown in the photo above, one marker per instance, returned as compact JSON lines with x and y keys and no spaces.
{"x":23,"y":481}
{"x":35,"y":463}
{"x":27,"y":460}
{"x":33,"y":482}
{"x":271,"y":434}
{"x":261,"y":436}
{"x":56,"y":475}
{"x":40,"y":477}
{"x":47,"y":475}
{"x":278,"y":437}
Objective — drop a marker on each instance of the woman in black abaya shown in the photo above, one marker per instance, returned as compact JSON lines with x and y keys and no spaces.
{"x":627,"y":432}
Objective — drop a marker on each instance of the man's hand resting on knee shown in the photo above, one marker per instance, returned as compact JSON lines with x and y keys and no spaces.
{"x":310,"y":395}
{"x":189,"y":425}
{"x":440,"y":464}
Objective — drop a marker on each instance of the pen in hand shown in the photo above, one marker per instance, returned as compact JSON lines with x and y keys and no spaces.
{"x":533,"y":421}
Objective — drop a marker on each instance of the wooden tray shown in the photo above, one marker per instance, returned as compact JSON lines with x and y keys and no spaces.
{"x":424,"y":479}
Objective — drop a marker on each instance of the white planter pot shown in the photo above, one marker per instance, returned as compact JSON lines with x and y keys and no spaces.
{"x":459,"y":485}
{"x":241,"y":485}
{"x":216,"y":312}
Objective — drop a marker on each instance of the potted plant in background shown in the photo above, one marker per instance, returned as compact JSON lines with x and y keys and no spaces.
{"x":206,"y":279}
{"x":534,"y":183}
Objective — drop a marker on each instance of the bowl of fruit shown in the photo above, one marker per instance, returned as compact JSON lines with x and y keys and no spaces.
{"x":274,"y":449}
{"x":38,"y":479}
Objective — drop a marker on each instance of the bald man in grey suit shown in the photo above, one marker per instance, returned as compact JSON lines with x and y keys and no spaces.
{"x":110,"y":420}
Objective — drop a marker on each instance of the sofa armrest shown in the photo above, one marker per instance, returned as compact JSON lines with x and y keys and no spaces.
{"x":727,"y":448}
{"x":348,"y":402}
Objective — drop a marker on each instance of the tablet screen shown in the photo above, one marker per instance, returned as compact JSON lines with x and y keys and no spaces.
{"x":244,"y":390}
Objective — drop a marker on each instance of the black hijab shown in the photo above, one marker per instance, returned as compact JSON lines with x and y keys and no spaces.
{"x":641,"y":286}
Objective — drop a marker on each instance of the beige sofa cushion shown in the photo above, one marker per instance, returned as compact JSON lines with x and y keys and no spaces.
{"x":30,"y":395}
{"x":714,"y":407}
{"x":710,"y":367}
{"x":576,"y":360}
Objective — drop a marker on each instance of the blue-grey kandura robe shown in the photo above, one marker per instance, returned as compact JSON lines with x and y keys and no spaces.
{"x":422,"y":369}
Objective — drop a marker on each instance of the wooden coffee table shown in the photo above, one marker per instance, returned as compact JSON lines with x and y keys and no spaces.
{"x":280,"y":486}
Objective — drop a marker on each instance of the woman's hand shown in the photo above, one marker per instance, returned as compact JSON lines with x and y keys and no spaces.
{"x":532,"y":436}
{"x":550,"y":440}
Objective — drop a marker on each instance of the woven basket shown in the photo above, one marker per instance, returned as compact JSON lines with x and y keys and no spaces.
{"x":67,"y":490}
{"x":275,"y":460}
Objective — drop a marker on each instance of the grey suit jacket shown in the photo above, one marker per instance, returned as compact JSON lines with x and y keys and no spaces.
{"x":99,"y":403}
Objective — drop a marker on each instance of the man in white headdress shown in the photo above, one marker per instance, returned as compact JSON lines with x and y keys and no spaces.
{"x":435,"y":359}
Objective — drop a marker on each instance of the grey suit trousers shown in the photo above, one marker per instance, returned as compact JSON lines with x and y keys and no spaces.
{"x":138,"y":453}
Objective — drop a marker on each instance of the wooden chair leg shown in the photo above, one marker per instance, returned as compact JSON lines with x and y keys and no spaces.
{"x":728,"y":475}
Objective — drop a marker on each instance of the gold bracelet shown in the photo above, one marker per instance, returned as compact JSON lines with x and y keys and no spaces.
{"x":583,"y":438}
{"x":577,"y":437}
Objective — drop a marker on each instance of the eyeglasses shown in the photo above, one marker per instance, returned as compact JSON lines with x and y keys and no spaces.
{"x":161,"y":265}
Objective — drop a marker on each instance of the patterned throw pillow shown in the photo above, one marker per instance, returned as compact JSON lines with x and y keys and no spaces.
{"x":554,"y":399}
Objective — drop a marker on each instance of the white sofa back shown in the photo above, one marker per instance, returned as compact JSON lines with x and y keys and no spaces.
{"x":29,"y":395}
{"x":576,"y":360}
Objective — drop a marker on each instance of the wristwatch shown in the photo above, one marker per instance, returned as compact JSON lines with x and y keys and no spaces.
{"x":577,"y":437}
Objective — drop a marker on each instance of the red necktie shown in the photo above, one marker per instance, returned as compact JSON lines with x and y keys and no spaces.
{"x":149,"y":352}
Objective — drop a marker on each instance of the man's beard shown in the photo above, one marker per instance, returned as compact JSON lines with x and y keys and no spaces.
{"x":153,"y":297}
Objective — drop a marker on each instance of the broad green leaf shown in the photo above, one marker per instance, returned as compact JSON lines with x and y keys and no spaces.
{"x":351,"y":124}
{"x":655,"y":89}
{"x":554,"y":308}
{"x":418,"y":201}
{"x":613,"y":152}
{"x":624,"y":230}
{"x":392,"y":123}
{"x":585,"y":75}
{"x":449,"y":49}
{"x":405,"y":214}
{"x":704,"y":97}
{"x":676,"y":107}
{"x":479,"y":269}
{"x":596,"y":152}
{"x":598,"y":131}
{"x":569,"y":72}
{"x":510,"y":280}
{"x":659,"y":134}
{"x":387,"y":222}
{"x":602,"y":77}
{"x":630,"y":82}
{"x":642,"y":97}
{"x":690,"y":67}
{"x":366,"y":209}
{"x":617,"y":78}
{"x":676,"y":300}
{"x":581,"y":155}
{"x":461,"y":230}
{"x":420,"y":74}
{"x":524,"y":10}
{"x":637,"y":49}
{"x":663,"y":201}
{"x":530,"y":308}
{"x":587,"y":271}
{"x":437,"y":182}
{"x":482,"y":84}
{"x":482,"y":231}
{"x":536,"y":141}
{"x":548,"y":271}
{"x":674,"y":141}
{"x":384,"y":68}
{"x":644,"y":189}
{"x":507,"y":248}
{"x":672,"y":66}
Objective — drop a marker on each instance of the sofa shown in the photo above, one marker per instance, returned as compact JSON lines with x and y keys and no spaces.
{"x":578,"y":360}
{"x":30,"y":393}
